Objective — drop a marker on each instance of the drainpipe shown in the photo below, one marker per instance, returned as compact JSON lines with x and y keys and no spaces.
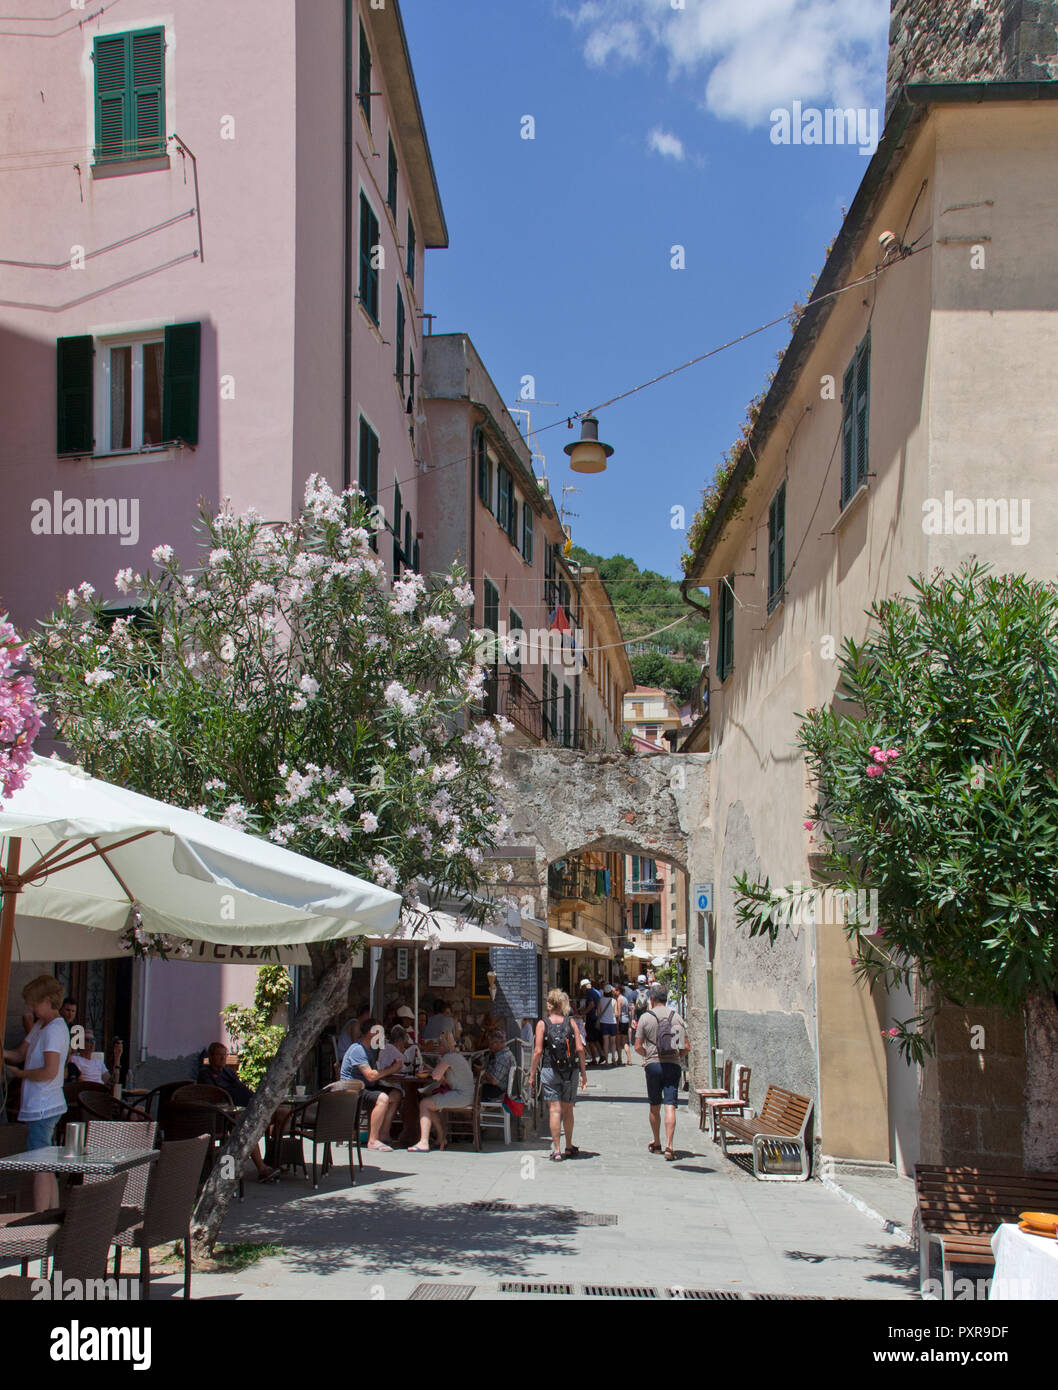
{"x":351,"y":16}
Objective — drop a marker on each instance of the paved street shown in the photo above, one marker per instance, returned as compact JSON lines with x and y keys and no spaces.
{"x":699,"y":1223}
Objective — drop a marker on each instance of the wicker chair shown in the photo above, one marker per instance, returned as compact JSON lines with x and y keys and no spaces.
{"x":82,"y":1242}
{"x":154,"y":1101}
{"x":194,"y":1094}
{"x":188,"y":1121}
{"x":12,"y":1141}
{"x":106,"y":1137}
{"x":171,"y":1195}
{"x":108,"y":1107}
{"x":332,"y":1118}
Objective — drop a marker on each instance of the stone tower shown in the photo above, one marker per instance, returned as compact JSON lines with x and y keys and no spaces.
{"x":971,"y":40}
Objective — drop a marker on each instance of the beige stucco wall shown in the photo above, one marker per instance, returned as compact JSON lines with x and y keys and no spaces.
{"x":960,"y":365}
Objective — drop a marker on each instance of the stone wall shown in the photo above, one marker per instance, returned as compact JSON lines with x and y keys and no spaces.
{"x":972,"y":1091}
{"x":968,"y":40}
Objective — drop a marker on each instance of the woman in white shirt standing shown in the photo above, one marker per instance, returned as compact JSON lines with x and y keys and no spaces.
{"x":40,"y":1064}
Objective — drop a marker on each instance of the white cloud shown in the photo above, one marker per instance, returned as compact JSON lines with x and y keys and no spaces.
{"x":749,"y":56}
{"x":666,"y":144}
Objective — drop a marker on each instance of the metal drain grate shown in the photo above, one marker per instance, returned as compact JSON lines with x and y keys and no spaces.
{"x":490,"y":1206}
{"x":707,"y":1295}
{"x":450,"y":1293}
{"x":590,"y":1218}
{"x":787,"y":1297}
{"x":509,"y":1286}
{"x":619,"y":1291}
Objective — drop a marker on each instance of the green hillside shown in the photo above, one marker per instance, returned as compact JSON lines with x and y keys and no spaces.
{"x":644,"y":602}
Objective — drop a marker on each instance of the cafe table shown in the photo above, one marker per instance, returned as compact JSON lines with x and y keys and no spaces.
{"x":411,"y":1085}
{"x":1026,"y":1265}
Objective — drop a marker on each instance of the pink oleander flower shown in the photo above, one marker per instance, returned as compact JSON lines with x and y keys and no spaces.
{"x":20,"y":719}
{"x":890,"y":1032}
{"x":809,"y":825}
{"x":875,"y":771}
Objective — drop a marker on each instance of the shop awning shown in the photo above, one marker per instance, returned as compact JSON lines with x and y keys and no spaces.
{"x":561,"y":943}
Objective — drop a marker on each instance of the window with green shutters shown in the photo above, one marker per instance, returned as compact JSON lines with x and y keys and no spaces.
{"x":777,"y":548}
{"x":527,"y":533}
{"x":368,"y":264}
{"x":410,"y":407}
{"x":725,"y":641}
{"x":368,"y":469}
{"x":567,"y":716}
{"x":415,"y":560}
{"x":408,"y":554}
{"x":411,"y":250}
{"x":515,"y":625}
{"x":364,"y":94}
{"x":481,"y":458}
{"x":129,"y":95}
{"x":391,"y":183}
{"x":856,"y":422}
{"x":504,"y":497}
{"x":490,"y":613}
{"x":400,"y":340}
{"x":398,"y":519}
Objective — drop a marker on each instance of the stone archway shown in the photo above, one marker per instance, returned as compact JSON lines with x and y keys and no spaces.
{"x":561,"y":801}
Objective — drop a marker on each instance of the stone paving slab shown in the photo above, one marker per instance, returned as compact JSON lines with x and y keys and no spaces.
{"x":698,"y":1223}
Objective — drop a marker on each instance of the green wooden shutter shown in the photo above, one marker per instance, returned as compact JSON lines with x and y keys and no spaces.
{"x":364,"y":95}
{"x":74,"y":396}
{"x":481,"y":452}
{"x":113,"y":117}
{"x":398,"y":516}
{"x":848,"y":434}
{"x":147,"y":103}
{"x":863,"y":396}
{"x":368,"y":272}
{"x":410,"y":408}
{"x":776,"y":547}
{"x":180,"y":388}
{"x":407,"y":538}
{"x":512,"y":518}
{"x":527,"y":533}
{"x":400,"y":340}
{"x":391,"y":184}
{"x":415,"y":562}
{"x":411,"y":250}
{"x":725,"y":636}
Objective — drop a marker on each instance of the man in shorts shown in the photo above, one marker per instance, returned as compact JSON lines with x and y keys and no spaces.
{"x":661,"y":1040}
{"x":361,"y":1063}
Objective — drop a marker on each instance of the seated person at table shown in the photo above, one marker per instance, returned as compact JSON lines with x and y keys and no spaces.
{"x":394,"y":1049}
{"x":362,"y":1063}
{"x":438,"y":1024}
{"x":497,"y":1067}
{"x":406,"y":1019}
{"x":40,"y":1061}
{"x":488,"y":1024}
{"x":217,"y":1073}
{"x":455,"y":1070}
{"x":84,"y":1066}
{"x":347,"y":1035}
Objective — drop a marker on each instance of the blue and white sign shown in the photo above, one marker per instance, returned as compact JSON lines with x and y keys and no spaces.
{"x":703,"y":897}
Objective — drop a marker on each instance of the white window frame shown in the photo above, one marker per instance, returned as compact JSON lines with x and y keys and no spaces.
{"x":104,"y":347}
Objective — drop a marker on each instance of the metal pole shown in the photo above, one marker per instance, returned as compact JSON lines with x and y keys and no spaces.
{"x":11,"y":890}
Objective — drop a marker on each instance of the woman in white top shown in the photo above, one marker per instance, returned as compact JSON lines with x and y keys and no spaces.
{"x":40,"y":1064}
{"x":455,"y":1069}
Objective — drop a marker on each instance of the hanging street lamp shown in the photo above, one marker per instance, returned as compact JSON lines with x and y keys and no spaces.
{"x":588,"y":455}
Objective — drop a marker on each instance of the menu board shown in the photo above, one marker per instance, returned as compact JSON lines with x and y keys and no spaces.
{"x":517,"y":982}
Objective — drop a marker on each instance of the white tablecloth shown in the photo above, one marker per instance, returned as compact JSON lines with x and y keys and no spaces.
{"x":1026,"y":1266}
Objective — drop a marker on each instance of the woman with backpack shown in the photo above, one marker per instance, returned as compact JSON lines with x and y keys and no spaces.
{"x":558,"y":1053}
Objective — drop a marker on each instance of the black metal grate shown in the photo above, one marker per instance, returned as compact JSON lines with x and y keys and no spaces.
{"x":490,"y":1206}
{"x":707,"y":1295}
{"x":619,"y":1291}
{"x":510,"y":1286}
{"x":450,"y":1293}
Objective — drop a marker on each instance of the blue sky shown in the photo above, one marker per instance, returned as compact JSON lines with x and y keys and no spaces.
{"x":652,"y":130}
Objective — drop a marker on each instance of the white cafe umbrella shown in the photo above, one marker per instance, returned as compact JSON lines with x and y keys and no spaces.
{"x":77,"y":850}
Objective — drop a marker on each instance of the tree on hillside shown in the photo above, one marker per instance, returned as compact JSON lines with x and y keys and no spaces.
{"x":645,"y":601}
{"x":936,"y":785}
{"x":677,"y":677}
{"x":283,"y":689}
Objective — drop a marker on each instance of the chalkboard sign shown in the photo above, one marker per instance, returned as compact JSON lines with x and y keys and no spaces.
{"x":517,"y":982}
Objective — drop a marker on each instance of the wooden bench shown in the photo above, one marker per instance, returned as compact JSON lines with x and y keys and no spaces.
{"x":780,"y":1126}
{"x":959,"y":1210}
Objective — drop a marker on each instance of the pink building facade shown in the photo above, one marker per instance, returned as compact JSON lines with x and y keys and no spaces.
{"x":212,"y":238}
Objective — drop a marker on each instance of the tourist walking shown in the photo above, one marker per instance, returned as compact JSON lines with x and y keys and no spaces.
{"x":608,"y":1025}
{"x":622,"y":1013}
{"x":661,"y":1040}
{"x":558,"y":1054}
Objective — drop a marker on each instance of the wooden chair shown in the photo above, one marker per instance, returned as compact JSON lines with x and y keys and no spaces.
{"x":466,"y":1119}
{"x":721,"y":1092}
{"x":776,"y":1136}
{"x":735,"y":1103}
{"x":960,"y":1208}
{"x":171,"y":1192}
{"x":81,"y":1243}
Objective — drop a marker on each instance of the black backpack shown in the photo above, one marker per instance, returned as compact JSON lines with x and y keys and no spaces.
{"x":559,"y":1046}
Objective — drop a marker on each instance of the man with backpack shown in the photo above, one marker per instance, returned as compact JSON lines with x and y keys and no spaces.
{"x":661,"y":1040}
{"x":558,"y":1053}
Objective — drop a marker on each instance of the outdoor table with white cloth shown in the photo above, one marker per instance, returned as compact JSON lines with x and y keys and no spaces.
{"x":1026,"y":1265}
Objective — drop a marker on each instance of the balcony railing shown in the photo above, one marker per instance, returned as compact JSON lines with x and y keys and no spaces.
{"x":571,"y":883}
{"x":508,"y":694}
{"x":643,"y":887}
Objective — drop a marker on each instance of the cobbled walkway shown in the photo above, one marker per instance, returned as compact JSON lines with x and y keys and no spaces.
{"x":499,"y":1223}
